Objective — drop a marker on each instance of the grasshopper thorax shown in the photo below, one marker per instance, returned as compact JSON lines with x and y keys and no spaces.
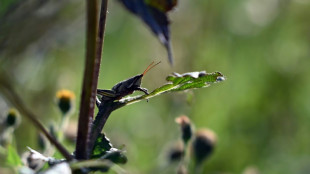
{"x":132,"y":83}
{"x":128,"y":84}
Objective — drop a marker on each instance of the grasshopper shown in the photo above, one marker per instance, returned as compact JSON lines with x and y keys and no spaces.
{"x":125,"y":87}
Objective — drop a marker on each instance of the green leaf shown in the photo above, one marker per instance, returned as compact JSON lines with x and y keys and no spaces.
{"x":13,"y":158}
{"x":154,"y":14}
{"x":102,"y":145}
{"x":162,"y":5}
{"x":103,"y":150}
{"x":116,"y":156}
{"x":179,"y":82}
{"x":191,"y":86}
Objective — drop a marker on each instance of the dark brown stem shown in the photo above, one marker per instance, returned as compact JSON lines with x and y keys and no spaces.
{"x":103,"y":114}
{"x":92,"y":67}
{"x":12,"y":96}
{"x":89,"y":81}
{"x":102,"y":23}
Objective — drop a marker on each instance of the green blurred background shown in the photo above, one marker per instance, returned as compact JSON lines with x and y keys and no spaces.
{"x":261,"y":113}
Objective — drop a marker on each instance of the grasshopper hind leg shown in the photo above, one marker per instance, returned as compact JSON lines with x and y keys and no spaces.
{"x":106,"y":94}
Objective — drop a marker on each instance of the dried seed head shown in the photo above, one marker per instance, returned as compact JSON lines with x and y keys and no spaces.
{"x":251,"y":170}
{"x":203,"y":144}
{"x":182,"y":169}
{"x":186,"y":127}
{"x":176,"y":152}
{"x":34,"y":160}
{"x":41,"y":141}
{"x":65,"y":100}
{"x":12,"y":118}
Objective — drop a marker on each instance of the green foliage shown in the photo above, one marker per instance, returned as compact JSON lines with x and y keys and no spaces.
{"x":102,"y":145}
{"x":256,"y":114}
{"x":194,"y":80}
{"x":180,"y":82}
{"x":105,"y":154}
{"x":116,"y":156}
{"x":13,"y":158}
{"x":5,"y":4}
{"x":103,"y":150}
{"x":162,"y":5}
{"x":154,"y":15}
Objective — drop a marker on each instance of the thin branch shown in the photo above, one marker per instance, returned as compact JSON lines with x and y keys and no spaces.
{"x":92,"y":67}
{"x":12,"y":96}
{"x":89,"y":81}
{"x":91,"y":163}
{"x":105,"y":109}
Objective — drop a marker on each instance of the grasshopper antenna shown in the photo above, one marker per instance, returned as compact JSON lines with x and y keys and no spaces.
{"x":150,"y":67}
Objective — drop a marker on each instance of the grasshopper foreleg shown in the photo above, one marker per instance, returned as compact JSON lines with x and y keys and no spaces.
{"x":98,"y":102}
{"x":142,"y":90}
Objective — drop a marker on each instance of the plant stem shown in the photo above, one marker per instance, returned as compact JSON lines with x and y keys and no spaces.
{"x":97,"y":164}
{"x":89,"y":81}
{"x":102,"y":22}
{"x":92,"y":67}
{"x":105,"y":110}
{"x":12,"y":96}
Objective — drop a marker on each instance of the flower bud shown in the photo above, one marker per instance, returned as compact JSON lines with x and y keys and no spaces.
{"x":65,"y":100}
{"x":12,"y":119}
{"x":203,"y":144}
{"x":186,"y":128}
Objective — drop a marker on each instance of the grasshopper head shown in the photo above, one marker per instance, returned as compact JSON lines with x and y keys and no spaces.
{"x":137,"y":80}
